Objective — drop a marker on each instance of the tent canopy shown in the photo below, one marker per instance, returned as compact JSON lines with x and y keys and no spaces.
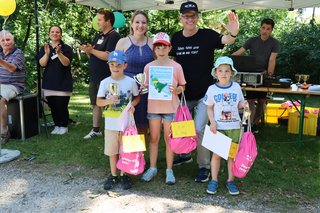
{"x":204,"y":5}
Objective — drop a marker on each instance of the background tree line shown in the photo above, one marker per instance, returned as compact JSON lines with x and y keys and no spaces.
{"x":300,"y":52}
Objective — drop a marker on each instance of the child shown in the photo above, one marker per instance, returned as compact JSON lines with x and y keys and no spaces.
{"x":223,"y":100}
{"x":116,"y":99}
{"x":162,"y":111}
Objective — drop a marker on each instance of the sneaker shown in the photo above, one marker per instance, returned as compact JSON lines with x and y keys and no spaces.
{"x":110,"y":182}
{"x":203,"y":175}
{"x":170,"y":179}
{"x":125,"y":182}
{"x":212,"y":187}
{"x":149,"y":174}
{"x":62,"y":131}
{"x":181,"y":159}
{"x":232,"y":188}
{"x":5,"y":137}
{"x":55,"y":130}
{"x":92,"y":134}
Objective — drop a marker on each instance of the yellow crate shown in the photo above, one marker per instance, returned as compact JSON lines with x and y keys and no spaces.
{"x":273,"y":112}
{"x":310,"y":122}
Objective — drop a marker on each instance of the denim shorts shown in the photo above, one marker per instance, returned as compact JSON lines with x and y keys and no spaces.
{"x":167,"y":116}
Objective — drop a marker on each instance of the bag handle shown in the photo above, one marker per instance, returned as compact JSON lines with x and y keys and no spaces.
{"x":131,"y":120}
{"x":183,"y":102}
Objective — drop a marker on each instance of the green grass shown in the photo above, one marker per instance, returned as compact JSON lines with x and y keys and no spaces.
{"x":284,"y":175}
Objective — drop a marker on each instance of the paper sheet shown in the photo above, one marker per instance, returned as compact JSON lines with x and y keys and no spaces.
{"x":217,"y":143}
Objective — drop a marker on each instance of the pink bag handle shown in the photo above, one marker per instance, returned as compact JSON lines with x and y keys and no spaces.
{"x":183,"y":102}
{"x":131,"y":120}
{"x":242,"y":128}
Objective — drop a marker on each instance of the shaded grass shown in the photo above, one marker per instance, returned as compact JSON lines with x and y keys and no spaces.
{"x":284,"y":174}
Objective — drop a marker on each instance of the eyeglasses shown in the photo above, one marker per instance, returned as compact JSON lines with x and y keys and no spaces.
{"x":192,"y":17}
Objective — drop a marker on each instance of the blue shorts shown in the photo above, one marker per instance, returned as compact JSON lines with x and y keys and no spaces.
{"x":167,"y":116}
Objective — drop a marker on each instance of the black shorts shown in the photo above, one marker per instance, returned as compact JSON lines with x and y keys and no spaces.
{"x":93,"y":91}
{"x":256,"y":95}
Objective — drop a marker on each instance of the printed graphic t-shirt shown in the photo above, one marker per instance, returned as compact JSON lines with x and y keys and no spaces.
{"x":225,"y":101}
{"x":127,"y":89}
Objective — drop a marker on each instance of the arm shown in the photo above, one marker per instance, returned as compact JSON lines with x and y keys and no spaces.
{"x":272,"y":63}
{"x":8,"y":66}
{"x":43,"y":61}
{"x":63,"y":59}
{"x":102,"y":101}
{"x":233,"y":29}
{"x":134,"y":103}
{"x":239,"y":51}
{"x":213,"y":124}
{"x":177,"y":90}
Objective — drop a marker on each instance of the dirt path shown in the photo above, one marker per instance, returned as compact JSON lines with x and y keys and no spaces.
{"x":27,"y":187}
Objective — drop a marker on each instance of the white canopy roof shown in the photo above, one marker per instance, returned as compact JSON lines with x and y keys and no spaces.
{"x":204,"y":5}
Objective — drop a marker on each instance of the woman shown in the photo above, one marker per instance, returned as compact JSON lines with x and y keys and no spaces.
{"x":138,"y":48}
{"x":56,"y":58}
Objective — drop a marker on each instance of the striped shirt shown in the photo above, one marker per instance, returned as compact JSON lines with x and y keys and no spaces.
{"x":16,"y":78}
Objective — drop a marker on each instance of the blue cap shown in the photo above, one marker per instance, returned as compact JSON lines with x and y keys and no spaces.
{"x":223,"y":60}
{"x":117,"y":56}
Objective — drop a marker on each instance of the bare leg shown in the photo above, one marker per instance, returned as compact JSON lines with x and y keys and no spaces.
{"x":261,"y":105}
{"x":3,"y":111}
{"x":155,"y":127}
{"x":215,"y":166}
{"x":96,"y":115}
{"x":230,"y":175}
{"x":169,"y":153}
{"x":113,"y":164}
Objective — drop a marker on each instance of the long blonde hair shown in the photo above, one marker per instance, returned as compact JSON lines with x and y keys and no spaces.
{"x":138,"y":12}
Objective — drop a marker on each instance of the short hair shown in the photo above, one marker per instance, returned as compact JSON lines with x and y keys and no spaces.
{"x":138,"y":12}
{"x":108,"y":15}
{"x":268,"y":21}
{"x":55,"y":26}
{"x":3,"y":33}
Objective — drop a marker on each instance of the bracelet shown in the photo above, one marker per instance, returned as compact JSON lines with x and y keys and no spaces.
{"x":233,"y":36}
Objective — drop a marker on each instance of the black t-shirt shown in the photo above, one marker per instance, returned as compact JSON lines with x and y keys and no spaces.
{"x":262,"y":50}
{"x":99,"y":69}
{"x":56,"y":76}
{"x":196,"y":56}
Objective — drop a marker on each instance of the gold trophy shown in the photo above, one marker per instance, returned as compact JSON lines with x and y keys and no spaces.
{"x":114,"y":89}
{"x":298,"y":78}
{"x":140,"y":79}
{"x":246,"y":116}
{"x":305,"y":78}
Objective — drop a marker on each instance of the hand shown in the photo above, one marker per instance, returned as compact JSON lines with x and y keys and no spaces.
{"x":213,"y":127}
{"x":175,"y":90}
{"x":244,"y":104}
{"x":58,"y":49}
{"x":131,"y":109}
{"x":86,"y":48}
{"x":47,"y":49}
{"x":233,"y":24}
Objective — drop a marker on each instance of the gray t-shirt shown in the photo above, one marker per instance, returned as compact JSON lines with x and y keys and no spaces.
{"x":262,"y":50}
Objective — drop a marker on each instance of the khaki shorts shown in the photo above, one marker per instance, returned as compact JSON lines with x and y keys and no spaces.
{"x":8,"y":91}
{"x":112,"y":141}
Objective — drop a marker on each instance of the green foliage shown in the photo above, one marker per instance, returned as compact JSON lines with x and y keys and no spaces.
{"x":300,"y":51}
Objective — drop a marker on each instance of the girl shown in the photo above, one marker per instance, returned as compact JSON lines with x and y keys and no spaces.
{"x":162,"y":111}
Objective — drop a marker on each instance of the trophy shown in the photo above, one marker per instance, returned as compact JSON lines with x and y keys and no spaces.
{"x":114,"y":89}
{"x":140,"y":79}
{"x":246,"y":116}
{"x":298,"y":78}
{"x":305,"y":78}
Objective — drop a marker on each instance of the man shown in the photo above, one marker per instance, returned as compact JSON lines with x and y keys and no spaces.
{"x":98,"y":53}
{"x":265,"y":48}
{"x":12,"y":77}
{"x":194,"y":49}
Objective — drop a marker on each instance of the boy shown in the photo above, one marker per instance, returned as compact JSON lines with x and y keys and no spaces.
{"x":223,"y":100}
{"x":115,"y":92}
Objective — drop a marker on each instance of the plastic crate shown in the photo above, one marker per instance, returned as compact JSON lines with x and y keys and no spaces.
{"x":310,"y":122}
{"x":275,"y":111}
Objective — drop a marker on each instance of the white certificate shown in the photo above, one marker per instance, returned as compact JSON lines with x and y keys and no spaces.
{"x":160,"y":77}
{"x":217,"y":143}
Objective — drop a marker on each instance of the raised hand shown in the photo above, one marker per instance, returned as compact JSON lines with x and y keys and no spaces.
{"x":233,"y":24}
{"x":47,"y":49}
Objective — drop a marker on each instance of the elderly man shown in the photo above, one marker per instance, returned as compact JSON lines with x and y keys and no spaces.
{"x":12,"y":76}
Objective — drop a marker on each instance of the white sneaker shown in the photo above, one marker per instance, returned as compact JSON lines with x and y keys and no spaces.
{"x":92,"y":134}
{"x":62,"y":131}
{"x":55,"y":130}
